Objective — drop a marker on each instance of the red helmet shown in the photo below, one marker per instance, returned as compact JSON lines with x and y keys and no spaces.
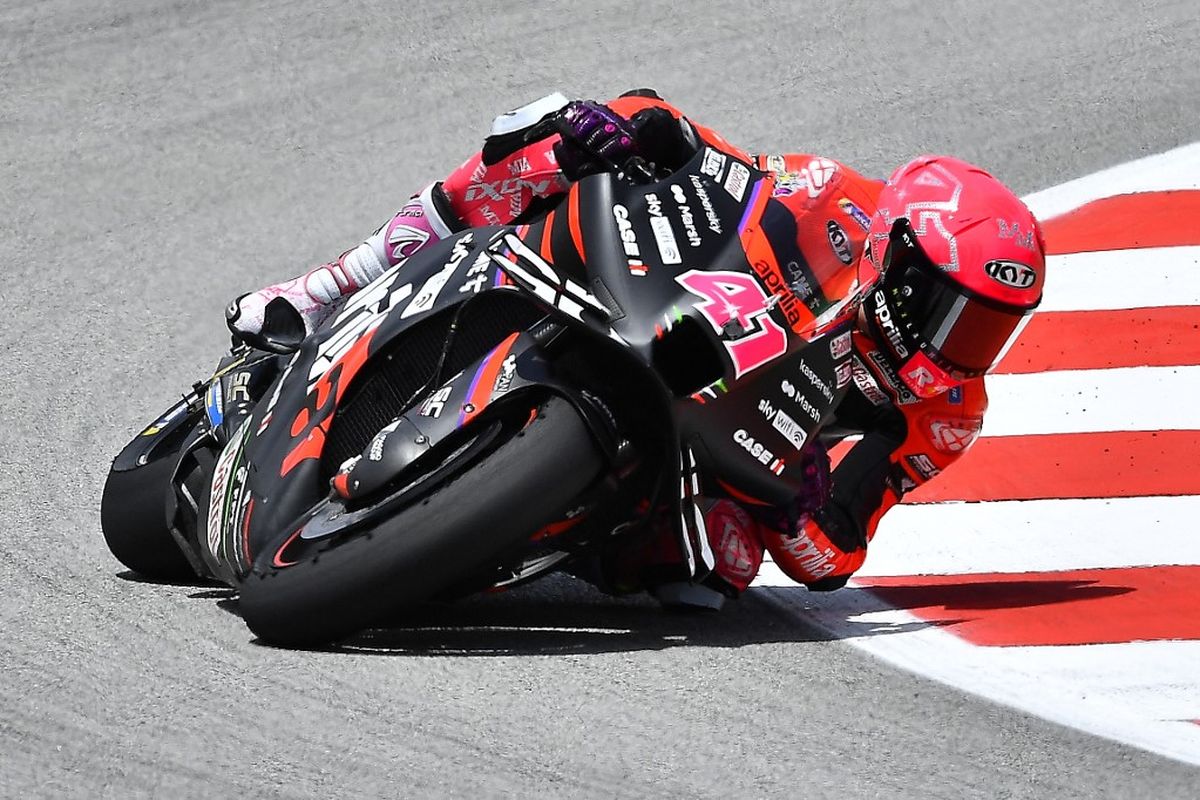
{"x":957,"y":265}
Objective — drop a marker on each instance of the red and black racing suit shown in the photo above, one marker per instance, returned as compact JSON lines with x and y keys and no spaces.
{"x":905,"y":441}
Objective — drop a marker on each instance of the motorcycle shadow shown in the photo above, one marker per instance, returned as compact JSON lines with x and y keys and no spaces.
{"x":564,"y":616}
{"x":567,"y":617}
{"x":195,"y":582}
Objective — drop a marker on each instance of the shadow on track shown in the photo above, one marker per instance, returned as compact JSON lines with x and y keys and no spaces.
{"x":549,"y":626}
{"x":563,"y":616}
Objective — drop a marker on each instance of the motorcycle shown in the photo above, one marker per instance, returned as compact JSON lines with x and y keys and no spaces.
{"x":502,"y":406}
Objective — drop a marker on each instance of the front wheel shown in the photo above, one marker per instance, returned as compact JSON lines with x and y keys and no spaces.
{"x":133,"y":516}
{"x":526,"y":482}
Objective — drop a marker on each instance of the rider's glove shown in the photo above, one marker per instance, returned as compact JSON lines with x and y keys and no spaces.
{"x":594,"y":138}
{"x":813,"y":496}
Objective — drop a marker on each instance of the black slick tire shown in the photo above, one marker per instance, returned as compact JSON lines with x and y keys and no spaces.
{"x":133,"y":516}
{"x":525,"y":483}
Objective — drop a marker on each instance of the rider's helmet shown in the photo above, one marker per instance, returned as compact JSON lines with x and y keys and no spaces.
{"x":956,"y":263}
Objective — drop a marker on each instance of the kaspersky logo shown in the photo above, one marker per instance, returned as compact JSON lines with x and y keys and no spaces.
{"x":883,"y":315}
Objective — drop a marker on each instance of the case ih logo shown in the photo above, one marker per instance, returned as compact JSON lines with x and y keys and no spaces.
{"x":1011,"y":273}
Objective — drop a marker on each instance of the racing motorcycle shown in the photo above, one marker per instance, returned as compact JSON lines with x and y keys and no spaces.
{"x":501,"y":406}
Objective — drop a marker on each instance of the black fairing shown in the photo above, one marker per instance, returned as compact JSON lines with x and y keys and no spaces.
{"x":631,"y":272}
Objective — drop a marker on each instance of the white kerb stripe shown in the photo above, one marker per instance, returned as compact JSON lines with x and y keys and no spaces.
{"x":1174,"y":169}
{"x":1079,"y":401}
{"x":1035,"y":536}
{"x":1153,"y":276}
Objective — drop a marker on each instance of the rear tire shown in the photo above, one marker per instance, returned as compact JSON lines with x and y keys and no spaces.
{"x":133,"y":516}
{"x":493,"y":505}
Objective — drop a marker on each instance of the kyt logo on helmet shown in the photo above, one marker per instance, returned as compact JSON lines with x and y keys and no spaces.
{"x":958,"y":264}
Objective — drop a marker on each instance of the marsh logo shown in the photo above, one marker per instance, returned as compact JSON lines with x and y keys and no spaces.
{"x":1011,"y":273}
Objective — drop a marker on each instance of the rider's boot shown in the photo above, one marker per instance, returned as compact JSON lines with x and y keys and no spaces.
{"x":278,"y":317}
{"x":737,"y":552}
{"x":654,"y":562}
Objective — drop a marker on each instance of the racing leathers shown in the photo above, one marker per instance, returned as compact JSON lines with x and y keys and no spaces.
{"x":820,"y":219}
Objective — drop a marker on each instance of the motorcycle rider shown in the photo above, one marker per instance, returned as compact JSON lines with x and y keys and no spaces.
{"x":955,"y":262}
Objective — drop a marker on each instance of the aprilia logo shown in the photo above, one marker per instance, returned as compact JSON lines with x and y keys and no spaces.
{"x":883,"y":314}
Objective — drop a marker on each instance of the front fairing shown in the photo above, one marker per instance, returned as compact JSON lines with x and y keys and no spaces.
{"x":693,"y":287}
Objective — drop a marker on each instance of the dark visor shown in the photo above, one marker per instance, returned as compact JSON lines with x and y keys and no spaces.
{"x":961,"y":332}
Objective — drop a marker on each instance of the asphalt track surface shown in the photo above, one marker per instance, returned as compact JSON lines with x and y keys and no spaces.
{"x":158,"y":158}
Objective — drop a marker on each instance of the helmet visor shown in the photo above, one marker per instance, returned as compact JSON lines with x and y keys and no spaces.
{"x":961,"y":332}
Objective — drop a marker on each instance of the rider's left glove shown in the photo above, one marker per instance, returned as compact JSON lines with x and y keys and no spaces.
{"x":594,"y":138}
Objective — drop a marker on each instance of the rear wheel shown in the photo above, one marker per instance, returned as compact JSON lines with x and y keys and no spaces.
{"x":133,"y":515}
{"x":489,"y":507}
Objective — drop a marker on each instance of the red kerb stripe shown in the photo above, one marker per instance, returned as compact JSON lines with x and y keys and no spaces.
{"x":1095,"y":606}
{"x":1043,"y":466}
{"x":1149,"y":219}
{"x":1139,"y":337}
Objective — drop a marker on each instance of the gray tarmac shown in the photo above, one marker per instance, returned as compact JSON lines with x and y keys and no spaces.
{"x":157,"y":158}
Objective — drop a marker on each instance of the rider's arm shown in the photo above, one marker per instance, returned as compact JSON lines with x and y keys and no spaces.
{"x":511,"y":180}
{"x":908,"y":446}
{"x":508,"y":178}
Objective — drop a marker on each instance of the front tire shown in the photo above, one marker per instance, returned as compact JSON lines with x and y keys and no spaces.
{"x":133,"y":516}
{"x":492,"y":506}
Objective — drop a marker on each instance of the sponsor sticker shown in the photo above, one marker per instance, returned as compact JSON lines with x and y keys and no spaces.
{"x":883,"y":315}
{"x":668,"y":249}
{"x":170,"y":417}
{"x":789,"y":183}
{"x":629,"y":242}
{"x":839,"y":242}
{"x":436,"y":402}
{"x":817,"y":175}
{"x":219,"y":496}
{"x":685,"y":215}
{"x":1013,"y":274}
{"x":714,"y":222}
{"x":865,"y":383}
{"x":816,"y":380}
{"x":855,"y":213}
{"x":215,"y":404}
{"x":758,"y":452}
{"x":738,"y":179}
{"x":375,"y":453}
{"x":1013,"y":231}
{"x":923,"y":466}
{"x":904,"y":396}
{"x":433,"y":286}
{"x":714,"y":163}
{"x":839,"y":346}
{"x":843,"y":373}
{"x":953,"y":435}
{"x":660,"y":226}
{"x":790,"y":429}
{"x":806,"y":405}
{"x":507,"y":370}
